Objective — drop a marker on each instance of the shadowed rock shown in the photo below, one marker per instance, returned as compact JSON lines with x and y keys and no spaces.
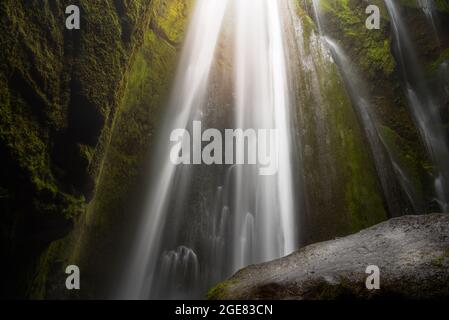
{"x":412,"y":253}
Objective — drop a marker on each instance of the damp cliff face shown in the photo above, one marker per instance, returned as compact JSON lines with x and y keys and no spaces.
{"x":102,"y":233}
{"x":341,"y":188}
{"x":374,"y":55}
{"x":124,"y":180}
{"x":59,"y":97}
{"x":80,"y":110}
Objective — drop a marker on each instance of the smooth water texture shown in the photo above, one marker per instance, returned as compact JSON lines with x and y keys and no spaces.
{"x":387,"y":168}
{"x":189,"y":90}
{"x":202,"y":223}
{"x":428,"y":7}
{"x":425,"y":107}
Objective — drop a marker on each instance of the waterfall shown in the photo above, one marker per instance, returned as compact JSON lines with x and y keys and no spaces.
{"x":384,"y":162}
{"x":263,"y":102}
{"x":388,"y":170}
{"x":202,"y":223}
{"x":316,"y":11}
{"x":428,"y":7}
{"x":189,"y":90}
{"x":424,"y":105}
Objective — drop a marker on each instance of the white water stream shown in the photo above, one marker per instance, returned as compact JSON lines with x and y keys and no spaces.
{"x":181,"y":251}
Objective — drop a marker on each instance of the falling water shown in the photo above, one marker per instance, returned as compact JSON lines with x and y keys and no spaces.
{"x":424,"y":105}
{"x":384,"y":162}
{"x":202,"y":223}
{"x":389,"y":172}
{"x":428,"y":7}
{"x":316,"y":11}
{"x":189,"y":90}
{"x":262,"y":102}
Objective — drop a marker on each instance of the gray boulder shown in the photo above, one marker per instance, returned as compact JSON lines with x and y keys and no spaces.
{"x":412,"y":253}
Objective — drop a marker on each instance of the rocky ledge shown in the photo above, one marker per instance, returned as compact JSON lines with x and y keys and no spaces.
{"x":412,"y":253}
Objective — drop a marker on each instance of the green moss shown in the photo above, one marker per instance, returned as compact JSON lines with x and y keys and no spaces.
{"x":342,"y":188}
{"x":219,"y":292}
{"x":59,"y":94}
{"x":406,"y":158}
{"x":171,"y":16}
{"x":442,"y":5}
{"x":43,"y":69}
{"x":442,"y":260}
{"x":444,"y":56}
{"x":25,"y":141}
{"x":147,"y":90}
{"x":308,"y":25}
{"x":139,"y":114}
{"x":362,"y":193}
{"x":344,"y":289}
{"x":370,"y":49}
{"x":40,"y":280}
{"x":371,"y":53}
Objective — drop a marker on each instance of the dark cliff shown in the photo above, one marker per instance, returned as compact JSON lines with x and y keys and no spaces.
{"x":59,"y":97}
{"x":79,"y":110}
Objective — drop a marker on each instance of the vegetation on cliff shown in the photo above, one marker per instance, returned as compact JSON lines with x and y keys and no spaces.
{"x":372,"y":53}
{"x":79,"y":112}
{"x":59,"y":92}
{"x":122,"y":175}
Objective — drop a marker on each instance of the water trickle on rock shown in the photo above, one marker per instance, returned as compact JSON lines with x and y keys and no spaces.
{"x":425,"y":106}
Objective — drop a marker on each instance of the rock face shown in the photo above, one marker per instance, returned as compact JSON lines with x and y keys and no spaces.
{"x":77,"y":111}
{"x":90,"y":245}
{"x":412,"y":253}
{"x":60,"y":91}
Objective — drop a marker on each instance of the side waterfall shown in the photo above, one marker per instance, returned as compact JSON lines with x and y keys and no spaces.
{"x":425,"y":106}
{"x":252,"y":65}
{"x":393,"y":180}
{"x":387,"y":168}
{"x":428,"y":7}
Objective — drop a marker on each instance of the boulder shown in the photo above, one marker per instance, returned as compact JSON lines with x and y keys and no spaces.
{"x":411,"y":252}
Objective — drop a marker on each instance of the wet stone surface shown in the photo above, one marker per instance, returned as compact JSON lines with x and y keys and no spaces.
{"x":412,"y":253}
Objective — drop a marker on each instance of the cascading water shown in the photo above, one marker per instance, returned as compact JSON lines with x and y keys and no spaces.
{"x":202,"y":223}
{"x":189,"y":91}
{"x":424,"y":105}
{"x":393,"y":180}
{"x":384,"y":162}
{"x":263,"y":102}
{"x":428,"y":7}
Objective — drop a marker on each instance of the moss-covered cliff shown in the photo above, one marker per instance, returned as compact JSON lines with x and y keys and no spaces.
{"x":59,"y":96}
{"x":107,"y":224}
{"x":79,"y":111}
{"x":372,"y":52}
{"x":342,"y":191}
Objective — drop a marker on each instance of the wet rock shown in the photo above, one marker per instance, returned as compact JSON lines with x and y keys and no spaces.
{"x":412,"y":253}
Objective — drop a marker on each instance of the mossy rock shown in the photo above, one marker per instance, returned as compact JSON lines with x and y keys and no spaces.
{"x":417,"y":268}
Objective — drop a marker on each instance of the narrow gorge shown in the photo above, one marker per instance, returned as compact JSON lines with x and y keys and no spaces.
{"x":357,"y":118}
